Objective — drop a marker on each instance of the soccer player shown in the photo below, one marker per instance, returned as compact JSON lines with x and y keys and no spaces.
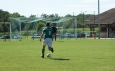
{"x":48,"y":34}
{"x":54,"y":30}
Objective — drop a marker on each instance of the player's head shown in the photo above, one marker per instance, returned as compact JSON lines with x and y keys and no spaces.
{"x":47,"y":24}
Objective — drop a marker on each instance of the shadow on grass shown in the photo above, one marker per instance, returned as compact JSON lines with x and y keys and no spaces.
{"x":60,"y":59}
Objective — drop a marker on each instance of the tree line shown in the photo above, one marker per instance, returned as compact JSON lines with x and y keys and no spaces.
{"x":5,"y":19}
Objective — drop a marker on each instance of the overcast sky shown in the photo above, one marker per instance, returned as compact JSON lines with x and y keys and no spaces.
{"x":60,"y":7}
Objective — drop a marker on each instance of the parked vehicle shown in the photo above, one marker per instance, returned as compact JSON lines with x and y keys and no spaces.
{"x":16,"y":36}
{"x":79,"y":35}
{"x":5,"y":37}
{"x":68,"y":35}
{"x":36,"y":36}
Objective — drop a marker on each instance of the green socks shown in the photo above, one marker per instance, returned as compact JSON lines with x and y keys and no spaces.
{"x":43,"y":51}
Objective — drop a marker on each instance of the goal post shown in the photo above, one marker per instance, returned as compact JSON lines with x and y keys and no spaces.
{"x":26,"y":26}
{"x":15,"y":30}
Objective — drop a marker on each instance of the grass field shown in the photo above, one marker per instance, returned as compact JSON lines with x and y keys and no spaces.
{"x":69,"y":55}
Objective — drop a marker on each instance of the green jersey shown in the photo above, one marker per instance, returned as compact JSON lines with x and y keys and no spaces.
{"x":48,"y":32}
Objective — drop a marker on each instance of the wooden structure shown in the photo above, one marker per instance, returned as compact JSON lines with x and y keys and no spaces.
{"x":107,"y":24}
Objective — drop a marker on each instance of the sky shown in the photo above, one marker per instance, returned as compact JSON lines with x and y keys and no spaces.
{"x":60,"y":7}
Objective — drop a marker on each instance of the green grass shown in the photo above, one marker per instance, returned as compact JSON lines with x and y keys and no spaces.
{"x":69,"y":55}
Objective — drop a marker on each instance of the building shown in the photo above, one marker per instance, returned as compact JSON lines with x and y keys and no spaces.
{"x":107,"y":24}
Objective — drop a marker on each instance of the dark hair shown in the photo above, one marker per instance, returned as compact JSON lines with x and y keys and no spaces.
{"x":47,"y":24}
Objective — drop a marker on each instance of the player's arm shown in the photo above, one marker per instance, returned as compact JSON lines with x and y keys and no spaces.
{"x":41,"y":36}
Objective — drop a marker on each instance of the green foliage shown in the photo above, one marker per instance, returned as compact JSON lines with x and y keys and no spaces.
{"x":68,"y":15}
{"x":69,"y":55}
{"x":4,"y":27}
{"x":81,"y":19}
{"x":4,"y":17}
{"x":15,"y":15}
{"x":40,"y":25}
{"x":50,"y":16}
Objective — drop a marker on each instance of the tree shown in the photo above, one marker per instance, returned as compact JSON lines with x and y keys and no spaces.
{"x":44,"y":15}
{"x":4,"y":16}
{"x":5,"y":19}
{"x":68,"y":15}
{"x":40,"y":25}
{"x":33,"y":16}
{"x":15,"y":15}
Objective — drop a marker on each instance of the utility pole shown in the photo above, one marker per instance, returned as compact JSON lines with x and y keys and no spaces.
{"x":74,"y":23}
{"x":98,"y":20}
{"x":83,"y":22}
{"x":94,"y":17}
{"x":4,"y":27}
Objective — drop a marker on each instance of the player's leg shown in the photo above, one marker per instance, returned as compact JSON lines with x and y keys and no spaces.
{"x":52,"y":38}
{"x":43,"y":51}
{"x":55,"y":37}
{"x":50,"y":45}
{"x":43,"y":48}
{"x":51,"y":49}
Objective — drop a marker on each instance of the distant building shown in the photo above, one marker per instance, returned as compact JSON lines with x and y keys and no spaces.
{"x":107,"y":24}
